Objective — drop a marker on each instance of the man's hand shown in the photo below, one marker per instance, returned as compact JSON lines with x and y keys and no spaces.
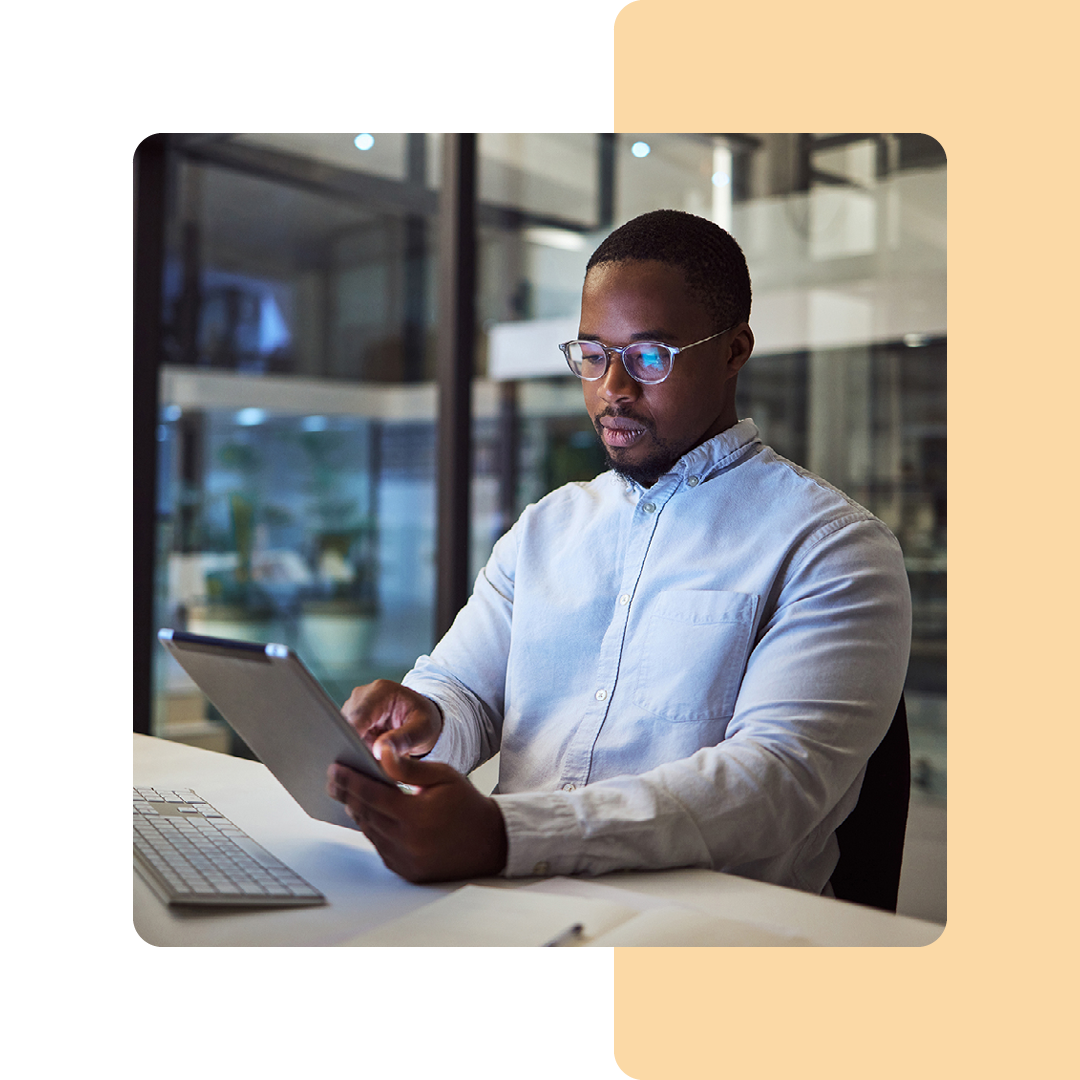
{"x":446,"y":831}
{"x":386,"y":713}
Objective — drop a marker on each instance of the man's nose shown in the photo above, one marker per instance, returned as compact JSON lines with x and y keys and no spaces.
{"x":617,"y":385}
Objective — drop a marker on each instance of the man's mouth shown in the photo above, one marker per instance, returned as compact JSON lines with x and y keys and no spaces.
{"x":619,"y":432}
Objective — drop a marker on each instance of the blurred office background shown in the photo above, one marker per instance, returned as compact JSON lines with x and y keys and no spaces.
{"x":296,"y":291}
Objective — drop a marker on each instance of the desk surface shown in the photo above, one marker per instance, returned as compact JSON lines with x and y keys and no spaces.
{"x":362,"y":893}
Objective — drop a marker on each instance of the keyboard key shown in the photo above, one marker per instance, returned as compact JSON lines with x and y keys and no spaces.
{"x":194,"y":854}
{"x":256,"y":852}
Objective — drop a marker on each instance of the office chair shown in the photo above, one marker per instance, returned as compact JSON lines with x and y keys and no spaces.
{"x":871,"y":837}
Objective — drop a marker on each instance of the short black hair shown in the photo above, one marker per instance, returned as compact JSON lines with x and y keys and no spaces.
{"x":709,"y":256}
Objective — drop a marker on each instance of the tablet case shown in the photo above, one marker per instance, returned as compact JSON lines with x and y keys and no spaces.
{"x":281,"y":711}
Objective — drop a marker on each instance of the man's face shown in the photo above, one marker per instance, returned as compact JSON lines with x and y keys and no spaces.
{"x":646,"y":429}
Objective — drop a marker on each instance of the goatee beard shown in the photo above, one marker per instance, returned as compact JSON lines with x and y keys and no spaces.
{"x":647,"y":471}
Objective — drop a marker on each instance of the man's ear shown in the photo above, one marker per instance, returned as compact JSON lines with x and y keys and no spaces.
{"x":740,"y":346}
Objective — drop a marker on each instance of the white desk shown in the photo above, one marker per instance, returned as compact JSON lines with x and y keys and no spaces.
{"x":362,"y":893}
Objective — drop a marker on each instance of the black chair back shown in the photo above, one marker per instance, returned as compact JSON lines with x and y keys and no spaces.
{"x":871,"y":838}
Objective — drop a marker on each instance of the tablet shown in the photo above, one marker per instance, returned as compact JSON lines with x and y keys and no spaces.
{"x":281,"y":711}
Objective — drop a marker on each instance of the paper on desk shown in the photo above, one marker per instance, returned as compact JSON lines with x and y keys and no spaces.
{"x":662,"y":922}
{"x":591,"y":889}
{"x":484,"y":915}
{"x":676,"y":925}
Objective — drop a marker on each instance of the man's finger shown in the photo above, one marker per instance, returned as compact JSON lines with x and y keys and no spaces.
{"x":381,"y":830}
{"x":414,"y":771}
{"x":353,"y":791}
{"x":353,"y":785}
{"x":401,"y":740}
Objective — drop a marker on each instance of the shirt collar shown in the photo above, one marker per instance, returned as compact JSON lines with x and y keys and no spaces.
{"x":718,"y":453}
{"x":709,"y":459}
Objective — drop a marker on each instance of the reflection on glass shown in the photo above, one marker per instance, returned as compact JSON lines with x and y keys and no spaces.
{"x":313,"y":531}
{"x":296,"y":494}
{"x":296,"y":480}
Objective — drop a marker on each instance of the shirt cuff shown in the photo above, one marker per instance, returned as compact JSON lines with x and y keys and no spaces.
{"x":542,"y":832}
{"x":456,"y":745}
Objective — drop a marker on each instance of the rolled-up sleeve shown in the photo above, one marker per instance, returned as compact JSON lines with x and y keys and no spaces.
{"x":819,"y":691}
{"x":692,"y":676}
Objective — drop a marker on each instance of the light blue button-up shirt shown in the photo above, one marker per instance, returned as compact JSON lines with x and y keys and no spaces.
{"x":692,"y":674}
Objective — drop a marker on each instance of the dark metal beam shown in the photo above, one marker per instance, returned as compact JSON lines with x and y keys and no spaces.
{"x":415,"y":269}
{"x":605,"y":153}
{"x":738,"y":140}
{"x":514,"y":219}
{"x":454,"y":368}
{"x":831,"y":179}
{"x":829,"y":142}
{"x":149,"y":264}
{"x":803,"y":148}
{"x":377,"y":193}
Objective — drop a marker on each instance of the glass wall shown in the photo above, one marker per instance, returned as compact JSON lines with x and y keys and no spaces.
{"x":296,"y":437}
{"x":296,"y":495}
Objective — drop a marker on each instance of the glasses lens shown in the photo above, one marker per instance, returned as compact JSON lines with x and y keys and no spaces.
{"x":586,"y":359}
{"x":648,"y":362}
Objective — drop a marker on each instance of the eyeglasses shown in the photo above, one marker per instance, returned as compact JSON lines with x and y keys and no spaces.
{"x":647,"y":362}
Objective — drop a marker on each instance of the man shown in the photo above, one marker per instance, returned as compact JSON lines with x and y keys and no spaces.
{"x":686,"y":661}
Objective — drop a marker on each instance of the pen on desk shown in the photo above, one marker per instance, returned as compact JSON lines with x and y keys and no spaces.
{"x":570,"y":934}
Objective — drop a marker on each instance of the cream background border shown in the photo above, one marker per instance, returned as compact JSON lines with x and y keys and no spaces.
{"x":991,"y":996}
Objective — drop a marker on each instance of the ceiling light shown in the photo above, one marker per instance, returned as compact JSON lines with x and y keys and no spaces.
{"x":364,"y":141}
{"x":721,"y":179}
{"x":250,"y":417}
{"x":640,"y":149}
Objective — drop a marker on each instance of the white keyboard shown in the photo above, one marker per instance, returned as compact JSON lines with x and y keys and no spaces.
{"x":188,"y":853}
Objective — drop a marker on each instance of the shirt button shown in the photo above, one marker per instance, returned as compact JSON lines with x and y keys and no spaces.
{"x":569,"y":787}
{"x":692,"y":482}
{"x":624,"y":599}
{"x":601,"y":695}
{"x":648,"y":507}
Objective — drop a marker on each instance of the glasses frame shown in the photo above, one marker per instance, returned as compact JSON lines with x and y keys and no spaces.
{"x":610,"y":350}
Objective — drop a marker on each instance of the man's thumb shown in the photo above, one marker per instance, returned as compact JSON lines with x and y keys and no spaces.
{"x":410,"y":770}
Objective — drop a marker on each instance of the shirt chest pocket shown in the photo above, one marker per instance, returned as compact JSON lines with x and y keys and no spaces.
{"x":692,"y":652}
